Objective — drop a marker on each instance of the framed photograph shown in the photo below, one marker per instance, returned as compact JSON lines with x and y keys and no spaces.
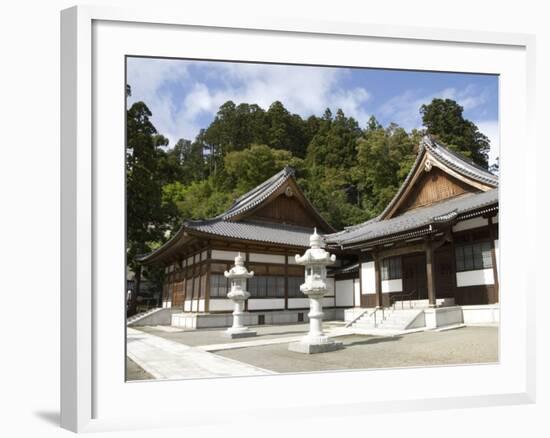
{"x":287,"y":216}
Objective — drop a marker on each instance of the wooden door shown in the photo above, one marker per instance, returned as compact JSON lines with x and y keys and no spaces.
{"x":414,"y":276}
{"x":444,"y":272}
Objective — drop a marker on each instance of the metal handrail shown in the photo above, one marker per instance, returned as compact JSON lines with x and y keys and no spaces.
{"x":403,"y":295}
{"x":356,"y":318}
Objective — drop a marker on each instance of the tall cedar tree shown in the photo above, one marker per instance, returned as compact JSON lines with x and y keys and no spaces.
{"x":146,"y":219}
{"x":444,"y":120}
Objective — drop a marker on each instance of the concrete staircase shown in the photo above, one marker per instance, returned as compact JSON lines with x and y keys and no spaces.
{"x":135,"y":319}
{"x":397,"y":319}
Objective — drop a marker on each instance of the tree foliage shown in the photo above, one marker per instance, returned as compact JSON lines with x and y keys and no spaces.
{"x":444,"y":120}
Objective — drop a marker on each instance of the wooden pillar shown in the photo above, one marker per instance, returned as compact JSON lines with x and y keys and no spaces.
{"x":207,"y":292}
{"x":247,"y":259}
{"x":378,"y":281}
{"x":493,"y":257}
{"x":430,"y":274}
{"x":286,"y":282}
{"x":361,"y":299}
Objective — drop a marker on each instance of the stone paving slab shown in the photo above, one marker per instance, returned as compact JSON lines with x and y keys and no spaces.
{"x":165,"y":359}
{"x":212,"y":336}
{"x":467,"y":345}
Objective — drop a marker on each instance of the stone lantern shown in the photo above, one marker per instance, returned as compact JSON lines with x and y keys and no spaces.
{"x":315,"y":261}
{"x":238,"y":294}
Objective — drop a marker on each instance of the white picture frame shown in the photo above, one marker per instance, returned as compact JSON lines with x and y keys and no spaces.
{"x":93,"y":398}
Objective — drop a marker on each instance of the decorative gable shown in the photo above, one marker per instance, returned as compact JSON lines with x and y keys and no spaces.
{"x":434,"y":186}
{"x":437,"y":175}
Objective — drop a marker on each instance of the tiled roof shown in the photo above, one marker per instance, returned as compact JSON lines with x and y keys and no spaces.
{"x":254,"y":231}
{"x":345,"y":270}
{"x":459,"y":163}
{"x":434,"y":214}
{"x":258,"y":194}
{"x":230,"y":225}
{"x":455,"y":161}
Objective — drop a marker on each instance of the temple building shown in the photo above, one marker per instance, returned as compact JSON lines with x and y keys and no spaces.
{"x":436,"y":240}
{"x":269,"y":225}
{"x":435,"y":244}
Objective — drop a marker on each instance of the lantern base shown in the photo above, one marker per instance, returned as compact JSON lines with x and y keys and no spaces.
{"x":307,"y":347}
{"x":238,"y":333}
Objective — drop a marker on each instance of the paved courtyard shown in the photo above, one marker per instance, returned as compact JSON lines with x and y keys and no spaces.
{"x":171,"y":353}
{"x":459,"y":346}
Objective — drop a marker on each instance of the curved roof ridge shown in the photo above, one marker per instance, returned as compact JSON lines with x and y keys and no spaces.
{"x":459,"y":162}
{"x":445,"y":211}
{"x":257,"y":194}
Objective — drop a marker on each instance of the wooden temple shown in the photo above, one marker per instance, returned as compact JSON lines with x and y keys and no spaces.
{"x":437,"y":239}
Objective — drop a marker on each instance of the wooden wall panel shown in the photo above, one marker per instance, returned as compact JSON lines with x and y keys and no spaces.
{"x":177,"y":297}
{"x":434,"y":186}
{"x":284,"y":209}
{"x":471,"y":295}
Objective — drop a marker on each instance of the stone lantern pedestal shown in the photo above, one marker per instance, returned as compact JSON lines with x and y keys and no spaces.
{"x":238,"y":276}
{"x":315,"y":261}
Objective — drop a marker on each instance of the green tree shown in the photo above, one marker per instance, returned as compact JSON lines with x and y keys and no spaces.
{"x":198,"y":200}
{"x":335,"y":142}
{"x":285,"y":130}
{"x":252,"y":166}
{"x":443,"y":118}
{"x":384,"y":157}
{"x":146,"y":222}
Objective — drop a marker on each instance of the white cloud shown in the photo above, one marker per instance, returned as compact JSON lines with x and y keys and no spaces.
{"x":303,"y":90}
{"x":404,"y":108}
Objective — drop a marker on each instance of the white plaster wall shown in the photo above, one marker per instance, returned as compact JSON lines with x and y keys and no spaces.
{"x":204,"y":255}
{"x":474,"y":278}
{"x":495,"y":219}
{"x":218,"y":254}
{"x":303,"y":303}
{"x":395,"y":285}
{"x":291,"y":260}
{"x":267,"y":258}
{"x":187,"y":306}
{"x":468,"y":224}
{"x":195,"y":306}
{"x":344,"y":292}
{"x":357,"y":292}
{"x":330,"y":286}
{"x":368,"y":282}
{"x":298,"y":303}
{"x":220,"y":304}
{"x":266,"y":303}
{"x":201,"y":305}
{"x":189,"y":261}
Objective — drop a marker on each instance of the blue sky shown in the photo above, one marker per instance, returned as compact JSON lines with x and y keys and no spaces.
{"x":184,"y":96}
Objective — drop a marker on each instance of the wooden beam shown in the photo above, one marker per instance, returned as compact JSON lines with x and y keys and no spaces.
{"x":207,"y":292}
{"x":430,"y":273}
{"x":494,"y":258}
{"x":378,"y":281}
{"x":286,"y":282}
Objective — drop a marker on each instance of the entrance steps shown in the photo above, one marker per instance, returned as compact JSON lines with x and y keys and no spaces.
{"x":156,"y":316}
{"x":398,"y":319}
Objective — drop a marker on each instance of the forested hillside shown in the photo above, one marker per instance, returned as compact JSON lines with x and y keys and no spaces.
{"x":348,"y":171}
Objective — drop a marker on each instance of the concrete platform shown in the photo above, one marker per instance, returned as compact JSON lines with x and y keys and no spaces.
{"x":308,"y":348}
{"x":238,"y":335}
